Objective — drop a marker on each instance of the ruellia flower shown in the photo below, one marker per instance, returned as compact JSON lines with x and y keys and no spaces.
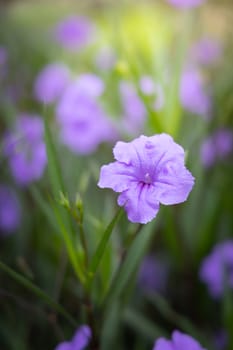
{"x":216,"y":147}
{"x":206,"y":51}
{"x":147,"y":171}
{"x":134,"y":112}
{"x":82,"y":120}
{"x":51,"y":82}
{"x":152,"y":275}
{"x":25,"y":149}
{"x":185,"y":3}
{"x":179,"y":341}
{"x":216,"y":270}
{"x":9,"y":210}
{"x":3,"y":56}
{"x":153,"y":90}
{"x":74,"y":32}
{"x":79,"y":342}
{"x":193,"y":96}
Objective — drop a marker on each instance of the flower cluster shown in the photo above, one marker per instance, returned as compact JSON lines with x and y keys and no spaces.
{"x":193,"y":96}
{"x":134,"y":112}
{"x":9,"y":210}
{"x":217,"y":269}
{"x":216,"y":147}
{"x":185,"y":3}
{"x":79,"y":341}
{"x":180,"y":341}
{"x":51,"y":82}
{"x":147,"y":171}
{"x":25,"y":149}
{"x":82,"y":120}
{"x":152,"y":274}
{"x":74,"y":32}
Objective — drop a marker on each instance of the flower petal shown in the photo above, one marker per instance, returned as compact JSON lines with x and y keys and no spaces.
{"x":139,"y":202}
{"x":81,"y":338}
{"x":63,"y":346}
{"x":183,"y":342}
{"x":173,"y":184}
{"x":117,"y":176}
{"x":163,"y":344}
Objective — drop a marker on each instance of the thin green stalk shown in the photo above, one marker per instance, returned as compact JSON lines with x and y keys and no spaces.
{"x":100,"y":250}
{"x":70,"y":248}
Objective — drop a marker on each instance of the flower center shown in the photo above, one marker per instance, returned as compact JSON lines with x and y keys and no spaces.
{"x":147,"y":178}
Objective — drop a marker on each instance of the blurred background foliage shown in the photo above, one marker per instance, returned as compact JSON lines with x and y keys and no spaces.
{"x":149,"y":38}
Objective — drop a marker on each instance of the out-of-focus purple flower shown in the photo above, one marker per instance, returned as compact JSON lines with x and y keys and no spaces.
{"x":134,"y":112}
{"x":152,"y":275}
{"x":150,"y":88}
{"x":105,"y":59}
{"x":185,"y":3}
{"x":9,"y":210}
{"x":83,"y":122}
{"x":89,"y":84}
{"x":51,"y":82}
{"x":217,"y":268}
{"x":206,"y":51}
{"x":147,"y":171}
{"x":179,"y":341}
{"x":221,"y":339}
{"x":3,"y":56}
{"x":25,"y":149}
{"x":74,"y":32}
{"x":3,"y":62}
{"x":218,"y":146}
{"x":80,"y":340}
{"x":193,"y":96}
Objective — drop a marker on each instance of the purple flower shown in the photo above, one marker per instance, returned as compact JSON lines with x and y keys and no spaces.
{"x":3,"y":62}
{"x":25,"y":149}
{"x":9,"y":210}
{"x":220,"y":339}
{"x":217,"y":268}
{"x":147,"y":171}
{"x":105,"y":59}
{"x":218,"y":146}
{"x":152,"y":275}
{"x":83,"y":122}
{"x":206,"y":51}
{"x":3,"y":56}
{"x":134,"y":113}
{"x":51,"y":82}
{"x":79,"y":341}
{"x":154,"y":90}
{"x":74,"y":33}
{"x":185,"y":3}
{"x":179,"y":341}
{"x":89,"y":84}
{"x":193,"y":96}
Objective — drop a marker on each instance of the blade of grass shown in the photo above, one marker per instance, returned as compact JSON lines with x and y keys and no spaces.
{"x":170,"y":315}
{"x":140,"y":323}
{"x":97,"y":257}
{"x":38,"y":292}
{"x":63,"y":219}
{"x":130,"y":263}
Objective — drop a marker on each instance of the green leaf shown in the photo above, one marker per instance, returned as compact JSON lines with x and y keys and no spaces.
{"x":63,"y":218}
{"x":53,"y":164}
{"x":131,"y":262}
{"x":97,"y":257}
{"x":172,"y":316}
{"x":141,"y":324}
{"x":111,"y":327}
{"x":38,"y":292}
